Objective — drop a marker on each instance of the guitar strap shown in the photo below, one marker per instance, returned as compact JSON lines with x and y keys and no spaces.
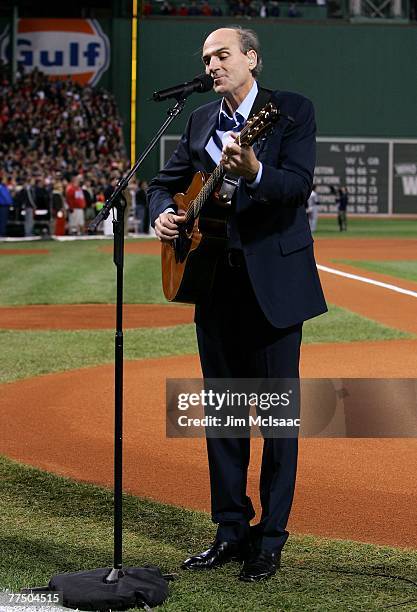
{"x":230,"y":182}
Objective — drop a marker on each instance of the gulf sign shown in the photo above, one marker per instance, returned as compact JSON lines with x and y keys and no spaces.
{"x":61,"y":48}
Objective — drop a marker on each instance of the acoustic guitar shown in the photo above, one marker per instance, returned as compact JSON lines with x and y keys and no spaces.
{"x":189,"y":261}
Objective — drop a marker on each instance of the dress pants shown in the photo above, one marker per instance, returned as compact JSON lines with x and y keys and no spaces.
{"x":237,"y":341}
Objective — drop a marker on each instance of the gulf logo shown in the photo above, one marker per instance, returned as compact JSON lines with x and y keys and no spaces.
{"x":61,"y":48}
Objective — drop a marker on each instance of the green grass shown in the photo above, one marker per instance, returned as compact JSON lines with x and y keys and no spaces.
{"x":52,"y":525}
{"x":398,"y":269}
{"x":31,"y":353}
{"x":76,"y":273}
{"x":341,"y":325}
{"x":368,"y":228}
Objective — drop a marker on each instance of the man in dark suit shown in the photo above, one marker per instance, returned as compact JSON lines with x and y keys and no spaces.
{"x":266,"y":283}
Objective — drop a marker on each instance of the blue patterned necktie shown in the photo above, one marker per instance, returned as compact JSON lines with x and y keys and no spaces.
{"x":227,"y":124}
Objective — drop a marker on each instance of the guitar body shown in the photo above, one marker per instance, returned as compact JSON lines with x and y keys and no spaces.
{"x":189,"y":262}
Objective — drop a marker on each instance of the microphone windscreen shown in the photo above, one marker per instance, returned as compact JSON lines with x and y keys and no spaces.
{"x":205,"y":82}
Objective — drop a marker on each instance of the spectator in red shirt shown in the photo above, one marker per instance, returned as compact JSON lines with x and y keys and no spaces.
{"x":147,"y":9}
{"x":76,"y":204}
{"x":206,"y":9}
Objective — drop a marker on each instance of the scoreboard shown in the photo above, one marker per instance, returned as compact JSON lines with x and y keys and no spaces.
{"x":362,"y":167}
{"x":380,"y":175}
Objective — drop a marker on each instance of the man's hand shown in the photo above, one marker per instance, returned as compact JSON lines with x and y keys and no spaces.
{"x":166,"y":225}
{"x":240,"y":161}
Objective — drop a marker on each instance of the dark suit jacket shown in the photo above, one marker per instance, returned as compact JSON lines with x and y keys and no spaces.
{"x":272,"y":221}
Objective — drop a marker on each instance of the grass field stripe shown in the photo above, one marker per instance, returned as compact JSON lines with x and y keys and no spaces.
{"x":370,"y":281}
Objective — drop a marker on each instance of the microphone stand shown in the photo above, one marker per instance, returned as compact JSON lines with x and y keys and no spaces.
{"x":116,"y":574}
{"x":118,"y":201}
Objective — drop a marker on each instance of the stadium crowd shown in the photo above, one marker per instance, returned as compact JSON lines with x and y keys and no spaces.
{"x":61,"y":147}
{"x":232,"y":8}
{"x":253,"y":8}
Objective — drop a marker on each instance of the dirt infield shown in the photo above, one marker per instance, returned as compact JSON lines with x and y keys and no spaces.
{"x":351,"y":488}
{"x":359,"y":489}
{"x":93,"y":316}
{"x":372,"y":249}
{"x":144,"y":247}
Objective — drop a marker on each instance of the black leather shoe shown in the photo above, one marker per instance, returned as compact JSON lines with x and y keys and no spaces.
{"x":262,"y":565}
{"x":216,"y":555}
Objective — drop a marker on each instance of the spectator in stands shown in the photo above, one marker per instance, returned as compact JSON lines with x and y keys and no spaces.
{"x":76,"y":206}
{"x":57,"y":198}
{"x":110,"y":187}
{"x":141,"y":207}
{"x":206,"y":9}
{"x":238,"y":9}
{"x":42,"y":195}
{"x":89,"y":197}
{"x":167,"y":8}
{"x":147,"y":9}
{"x":217,"y":11}
{"x":26,"y":200}
{"x":183,"y":10}
{"x":6,"y":200}
{"x":274,"y":10}
{"x":99,"y":203}
{"x":293,"y":10}
{"x":193,"y":9}
{"x":263,"y":11}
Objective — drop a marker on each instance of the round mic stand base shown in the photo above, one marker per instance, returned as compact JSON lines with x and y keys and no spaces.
{"x":134,"y":587}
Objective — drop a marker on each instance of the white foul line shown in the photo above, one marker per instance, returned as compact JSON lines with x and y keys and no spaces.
{"x":370,"y":281}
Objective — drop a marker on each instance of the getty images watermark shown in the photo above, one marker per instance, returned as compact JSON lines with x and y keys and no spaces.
{"x":286,"y":408}
{"x":233,"y":408}
{"x":224,"y":405}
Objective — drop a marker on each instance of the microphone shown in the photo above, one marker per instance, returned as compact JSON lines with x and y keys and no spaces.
{"x":201,"y":84}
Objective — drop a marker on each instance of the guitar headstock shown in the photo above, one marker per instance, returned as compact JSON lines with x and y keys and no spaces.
{"x":260,"y":123}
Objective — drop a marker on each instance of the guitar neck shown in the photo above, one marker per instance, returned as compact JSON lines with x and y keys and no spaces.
{"x":205,"y":193}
